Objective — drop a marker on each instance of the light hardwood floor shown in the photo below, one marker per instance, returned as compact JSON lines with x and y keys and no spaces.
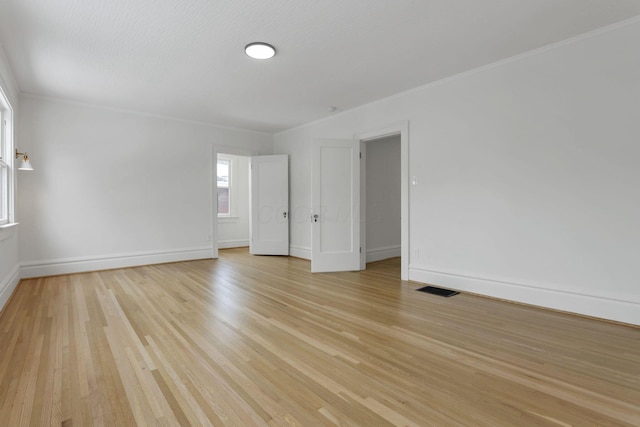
{"x":247,"y":341}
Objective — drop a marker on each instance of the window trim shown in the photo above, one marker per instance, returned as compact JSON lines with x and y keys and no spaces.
{"x":7,"y":160}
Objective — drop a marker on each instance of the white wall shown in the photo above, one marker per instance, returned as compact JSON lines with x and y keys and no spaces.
{"x":113,"y":188}
{"x":233,"y":231}
{"x":9,"y":265}
{"x":383,"y":198}
{"x":527,"y":177}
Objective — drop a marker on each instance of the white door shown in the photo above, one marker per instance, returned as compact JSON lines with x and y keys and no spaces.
{"x":335,"y":200}
{"x":269,"y":225}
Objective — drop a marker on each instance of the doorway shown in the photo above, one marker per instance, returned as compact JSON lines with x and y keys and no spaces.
{"x":227,"y":222}
{"x":395,"y":131}
{"x":338,"y":201}
{"x":232,"y":192}
{"x":381,"y":199}
{"x":246,"y":211}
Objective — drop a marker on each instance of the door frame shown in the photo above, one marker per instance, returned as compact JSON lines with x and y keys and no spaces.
{"x":402,"y":129}
{"x":222,"y":149}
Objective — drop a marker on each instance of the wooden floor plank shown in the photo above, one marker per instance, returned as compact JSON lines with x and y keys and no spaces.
{"x":246,"y":340}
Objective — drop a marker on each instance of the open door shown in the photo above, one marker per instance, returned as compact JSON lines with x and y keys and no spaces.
{"x":269,"y":225}
{"x":335,"y":198}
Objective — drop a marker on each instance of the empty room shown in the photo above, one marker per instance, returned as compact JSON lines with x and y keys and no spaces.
{"x":319,"y":212}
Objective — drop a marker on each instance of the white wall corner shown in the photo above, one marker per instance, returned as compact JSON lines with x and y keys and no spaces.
{"x":8,"y":285}
{"x":589,"y":305}
{"x":379,"y":254}
{"x":300,"y":252}
{"x":108,"y":262}
{"x":228,"y":244}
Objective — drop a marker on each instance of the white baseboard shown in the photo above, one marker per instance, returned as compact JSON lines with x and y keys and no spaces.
{"x":589,"y":305}
{"x":227,"y":244}
{"x":372,"y":255}
{"x":8,"y":285}
{"x":107,"y":262}
{"x":378,"y":254}
{"x":300,"y":252}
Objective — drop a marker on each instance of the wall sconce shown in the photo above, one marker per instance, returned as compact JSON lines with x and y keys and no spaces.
{"x":26,"y":164}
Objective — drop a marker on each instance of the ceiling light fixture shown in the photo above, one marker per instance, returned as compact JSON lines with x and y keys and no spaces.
{"x":260,"y":50}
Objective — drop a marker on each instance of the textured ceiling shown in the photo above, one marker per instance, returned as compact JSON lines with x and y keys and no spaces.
{"x":185,"y":59}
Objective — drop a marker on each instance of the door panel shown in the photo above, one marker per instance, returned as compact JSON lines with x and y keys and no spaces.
{"x":335,"y":197}
{"x":269,"y":226}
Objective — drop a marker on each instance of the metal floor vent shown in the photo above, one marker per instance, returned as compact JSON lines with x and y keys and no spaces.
{"x":438,"y":291}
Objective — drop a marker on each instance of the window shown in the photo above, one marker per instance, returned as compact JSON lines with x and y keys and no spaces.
{"x":6,"y":161}
{"x":224,"y":187}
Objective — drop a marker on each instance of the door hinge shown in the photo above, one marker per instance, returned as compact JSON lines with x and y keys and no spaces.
{"x":360,"y":249}
{"x":360,"y":154}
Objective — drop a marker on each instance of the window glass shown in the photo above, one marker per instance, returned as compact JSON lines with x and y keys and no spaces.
{"x":224,"y":169}
{"x":223,"y":201}
{"x":224,"y":187}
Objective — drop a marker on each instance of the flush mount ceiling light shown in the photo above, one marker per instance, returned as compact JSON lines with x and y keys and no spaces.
{"x":259,"y":50}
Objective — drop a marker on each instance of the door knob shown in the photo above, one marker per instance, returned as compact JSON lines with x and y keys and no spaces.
{"x":315,"y":218}
{"x":284,"y":214}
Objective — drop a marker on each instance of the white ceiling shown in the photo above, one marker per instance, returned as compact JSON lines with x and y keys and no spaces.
{"x":185,"y":59}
